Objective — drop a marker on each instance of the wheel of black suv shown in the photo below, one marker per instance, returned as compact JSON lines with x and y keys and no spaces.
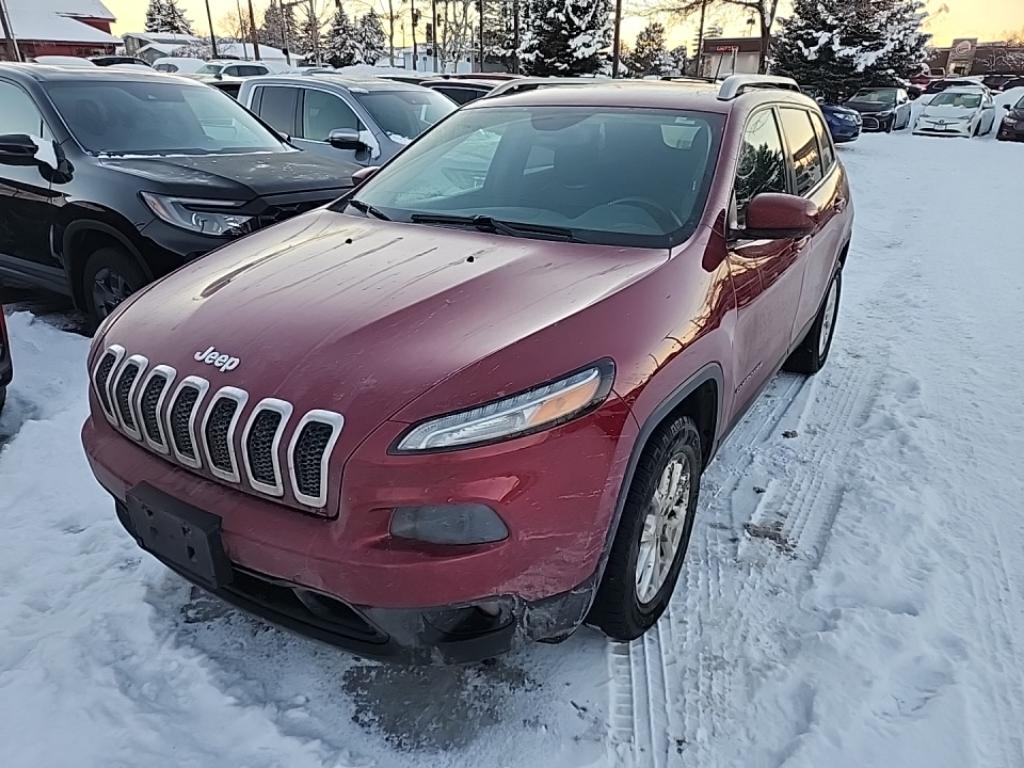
{"x":110,"y":277}
{"x":653,"y":535}
{"x":811,"y":355}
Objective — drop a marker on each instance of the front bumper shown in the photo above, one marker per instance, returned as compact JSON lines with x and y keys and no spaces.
{"x":844,"y":133}
{"x":956,"y":130}
{"x":1011,"y":133}
{"x":556,"y":492}
{"x":874,"y":123}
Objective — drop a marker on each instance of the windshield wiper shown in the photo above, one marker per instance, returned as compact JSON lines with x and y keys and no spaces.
{"x":498,"y":226}
{"x":367,"y":209}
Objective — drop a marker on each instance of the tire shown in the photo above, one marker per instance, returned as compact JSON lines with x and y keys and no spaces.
{"x":890,"y":126}
{"x":618,"y":610}
{"x":811,"y":354}
{"x":3,"y":399}
{"x":115,"y":270}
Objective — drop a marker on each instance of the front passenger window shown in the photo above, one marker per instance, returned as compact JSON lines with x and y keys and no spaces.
{"x":762,"y":164}
{"x":20,"y":114}
{"x":324,"y":112}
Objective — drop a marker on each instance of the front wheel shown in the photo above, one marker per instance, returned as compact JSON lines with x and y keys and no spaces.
{"x":811,"y":354}
{"x":110,"y":276}
{"x":654,"y":533}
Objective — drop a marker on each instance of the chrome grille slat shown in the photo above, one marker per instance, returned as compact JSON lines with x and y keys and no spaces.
{"x":309,"y":455}
{"x":181,"y":420}
{"x":124,"y":384}
{"x":148,"y":407}
{"x":219,"y":432}
{"x":101,"y":377}
{"x":261,"y":442}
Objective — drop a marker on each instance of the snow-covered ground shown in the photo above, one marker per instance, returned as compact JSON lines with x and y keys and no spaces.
{"x":854,"y":594}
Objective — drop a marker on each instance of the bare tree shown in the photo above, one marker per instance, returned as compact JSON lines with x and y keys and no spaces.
{"x":456,"y":28}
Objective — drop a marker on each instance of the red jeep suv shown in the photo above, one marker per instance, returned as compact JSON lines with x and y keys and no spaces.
{"x":469,"y":404}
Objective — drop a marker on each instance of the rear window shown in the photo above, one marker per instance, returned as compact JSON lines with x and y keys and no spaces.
{"x":277,"y":106}
{"x":803,"y":148}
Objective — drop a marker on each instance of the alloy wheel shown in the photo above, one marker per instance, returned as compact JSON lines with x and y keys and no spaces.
{"x":663,"y":528}
{"x":828,"y":320}
{"x":109,"y":289}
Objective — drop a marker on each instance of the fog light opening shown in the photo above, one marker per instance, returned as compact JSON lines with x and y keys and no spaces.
{"x":457,"y":524}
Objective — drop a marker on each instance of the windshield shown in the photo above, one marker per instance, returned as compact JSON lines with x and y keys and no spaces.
{"x":887,"y":97}
{"x":1020,"y":104}
{"x":405,"y":114}
{"x":210,"y":69}
{"x":961,"y":100}
{"x":620,"y":177}
{"x":143,"y":118}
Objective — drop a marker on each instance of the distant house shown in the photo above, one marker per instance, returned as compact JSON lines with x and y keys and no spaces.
{"x":721,"y":56}
{"x":60,"y":28}
{"x":966,"y":56}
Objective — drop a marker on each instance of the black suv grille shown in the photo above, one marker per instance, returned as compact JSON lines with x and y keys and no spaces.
{"x":181,"y":411}
{"x":274,"y":214}
{"x":218,"y":439}
{"x":150,"y":398}
{"x":260,"y":447}
{"x":124,"y":386}
{"x":309,"y":453}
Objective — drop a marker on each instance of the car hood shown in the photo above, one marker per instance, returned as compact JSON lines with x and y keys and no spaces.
{"x":358,"y":316}
{"x":833,"y":109}
{"x":949,"y":111}
{"x":868,"y":108}
{"x":237,"y":176}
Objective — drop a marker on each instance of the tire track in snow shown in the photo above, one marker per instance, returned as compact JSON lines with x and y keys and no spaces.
{"x":685,"y":678}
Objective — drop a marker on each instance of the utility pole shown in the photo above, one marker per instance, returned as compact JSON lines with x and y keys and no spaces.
{"x":481,"y":41}
{"x":213,"y":37}
{"x":515,"y":37}
{"x":616,"y":45}
{"x":415,"y":18}
{"x":700,"y":38}
{"x":252,"y":30}
{"x":433,"y":33}
{"x":13,"y":52}
{"x":285,"y":32}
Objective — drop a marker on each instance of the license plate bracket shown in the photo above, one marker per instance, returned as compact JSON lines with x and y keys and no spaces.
{"x":185,"y":537}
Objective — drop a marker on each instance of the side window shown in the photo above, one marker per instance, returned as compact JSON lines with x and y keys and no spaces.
{"x":762,"y":164}
{"x":19,"y":113}
{"x":231,"y":71}
{"x":250,"y":71}
{"x":803,"y":146}
{"x":277,"y":107}
{"x":324,"y":112}
{"x":828,"y":152}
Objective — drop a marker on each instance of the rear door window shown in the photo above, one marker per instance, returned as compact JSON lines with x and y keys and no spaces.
{"x":804,"y":152}
{"x":19,"y":113}
{"x":762,"y":164}
{"x":277,"y":106}
{"x":249,"y":71}
{"x":828,"y":153}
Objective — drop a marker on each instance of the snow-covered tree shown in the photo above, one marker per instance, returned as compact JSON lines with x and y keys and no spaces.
{"x":155,"y":16}
{"x":341,"y":43}
{"x":176,"y":20}
{"x":839,"y":46}
{"x":309,"y":36}
{"x":567,"y":37}
{"x":500,"y":31}
{"x":649,"y":56}
{"x":678,"y":58}
{"x":371,"y":38}
{"x":278,"y":28}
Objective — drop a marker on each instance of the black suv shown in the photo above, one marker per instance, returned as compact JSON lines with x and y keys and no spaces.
{"x":109,"y":179}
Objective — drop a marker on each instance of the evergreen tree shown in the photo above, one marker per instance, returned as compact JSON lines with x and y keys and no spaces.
{"x":155,"y":16}
{"x":649,"y":56}
{"x":278,"y":29}
{"x":341,"y":46}
{"x":839,"y":46}
{"x":371,"y":38}
{"x":500,"y":31}
{"x":175,"y":19}
{"x":309,"y":37}
{"x":567,"y":37}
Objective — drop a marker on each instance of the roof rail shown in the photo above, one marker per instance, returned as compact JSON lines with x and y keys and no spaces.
{"x":736,"y":85}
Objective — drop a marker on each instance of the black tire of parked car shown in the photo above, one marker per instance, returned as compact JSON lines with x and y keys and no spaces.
{"x":808,"y":358}
{"x":617,"y":610}
{"x":3,"y":398}
{"x":109,"y":277}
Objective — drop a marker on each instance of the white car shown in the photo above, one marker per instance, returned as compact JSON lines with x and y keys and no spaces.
{"x":178,"y":65}
{"x":230,"y":70}
{"x":962,"y":111}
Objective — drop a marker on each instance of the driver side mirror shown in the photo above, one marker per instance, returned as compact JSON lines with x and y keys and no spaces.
{"x":1007,"y":107}
{"x":774,"y":216}
{"x":18,"y":149}
{"x":363,"y":174}
{"x":345,"y":138}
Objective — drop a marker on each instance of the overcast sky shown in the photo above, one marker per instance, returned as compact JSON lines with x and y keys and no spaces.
{"x":986,"y":19}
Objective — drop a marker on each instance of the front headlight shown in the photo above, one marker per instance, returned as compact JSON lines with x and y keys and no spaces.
{"x":539,"y":408}
{"x":198,"y":215}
